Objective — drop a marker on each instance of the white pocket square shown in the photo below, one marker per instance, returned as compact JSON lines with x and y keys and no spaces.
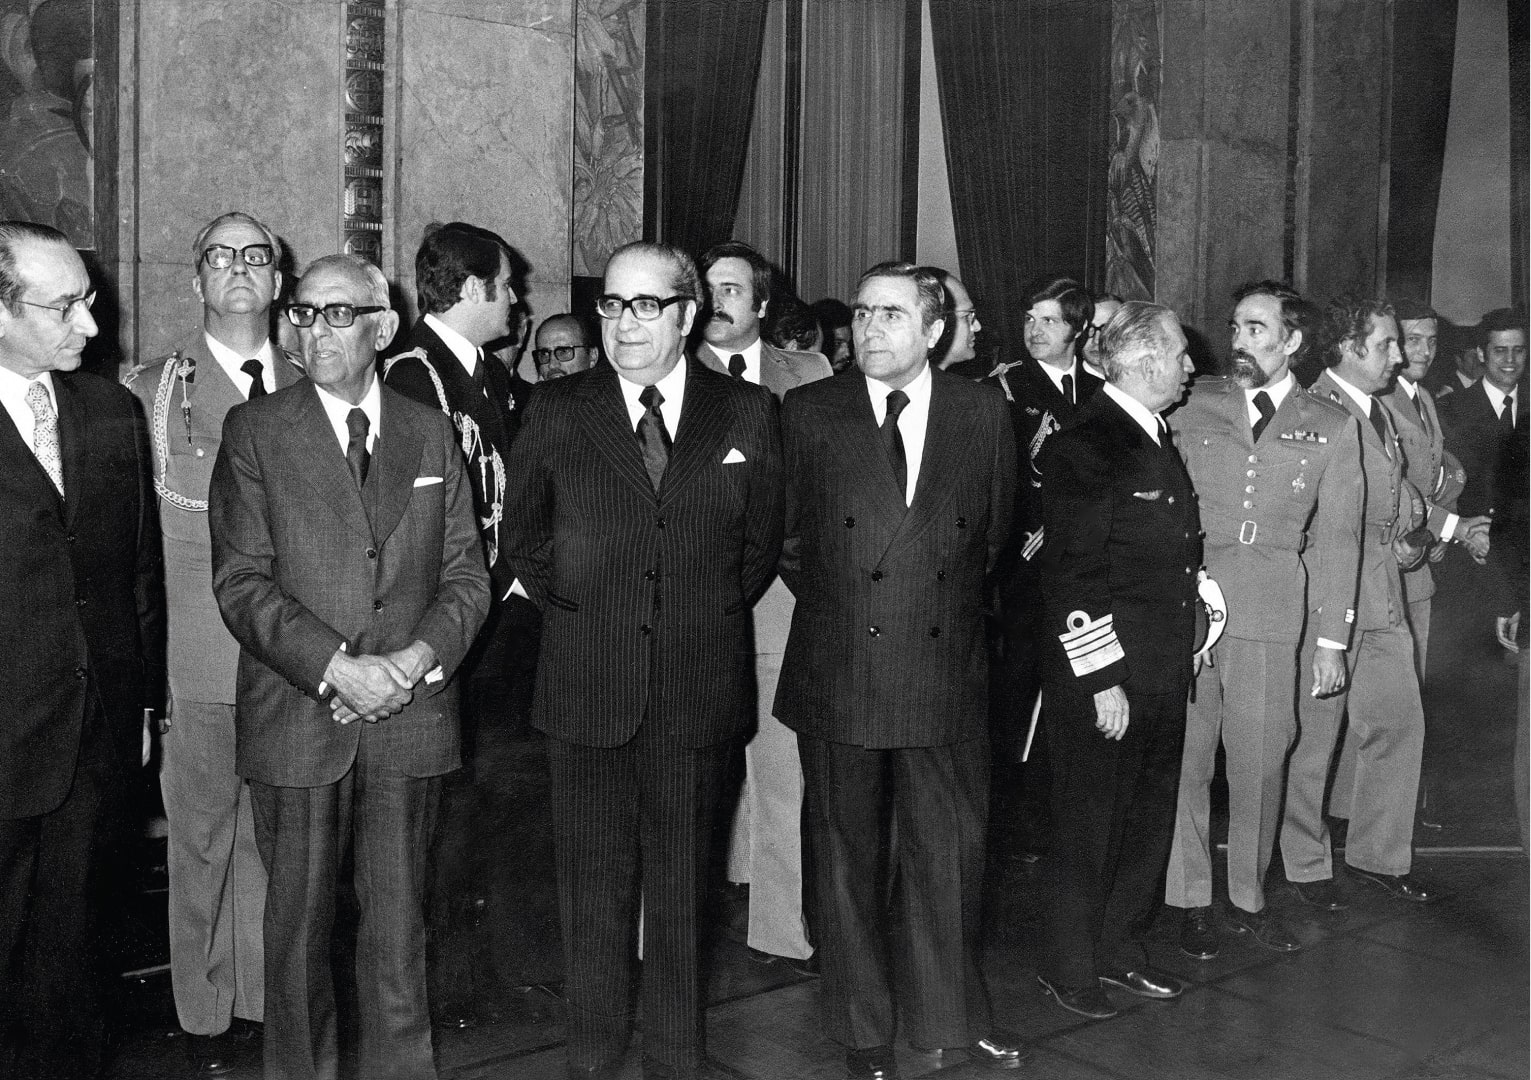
{"x":732,"y":457}
{"x":426,"y":481}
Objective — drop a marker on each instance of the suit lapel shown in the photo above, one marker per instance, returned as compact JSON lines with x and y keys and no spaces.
{"x":863,"y":457}
{"x":72,"y":426}
{"x":946,"y":436}
{"x":704,"y":419}
{"x":323,"y":463}
{"x":604,"y":418}
{"x":1339,"y":396}
{"x":395,"y":465}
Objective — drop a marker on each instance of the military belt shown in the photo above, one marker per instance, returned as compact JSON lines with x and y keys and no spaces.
{"x":1254,"y":533}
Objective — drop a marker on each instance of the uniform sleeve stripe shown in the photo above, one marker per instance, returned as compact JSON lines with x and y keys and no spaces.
{"x":1096,"y":659}
{"x":1090,"y":644}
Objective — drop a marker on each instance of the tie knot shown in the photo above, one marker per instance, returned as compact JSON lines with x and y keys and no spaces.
{"x":39,"y":402}
{"x":896,"y":402}
{"x":736,"y":365}
{"x":357,"y":423}
{"x":651,"y":397}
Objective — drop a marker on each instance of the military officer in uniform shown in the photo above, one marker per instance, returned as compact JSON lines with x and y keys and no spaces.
{"x":1278,"y":472}
{"x":1381,"y":691}
{"x":217,"y":883}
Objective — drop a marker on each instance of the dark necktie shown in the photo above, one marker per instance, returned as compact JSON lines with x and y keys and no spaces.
{"x":736,"y":366}
{"x":1068,"y":389}
{"x":653,"y":437}
{"x":254,"y":369}
{"x":1507,"y":417}
{"x":1419,"y":410}
{"x":1381,"y":427}
{"x":893,"y":442}
{"x":356,"y":450}
{"x":1266,"y":410}
{"x":480,"y":377}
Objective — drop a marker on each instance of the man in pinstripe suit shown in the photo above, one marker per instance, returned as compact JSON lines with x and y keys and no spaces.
{"x":901,"y":486}
{"x":646,"y":503}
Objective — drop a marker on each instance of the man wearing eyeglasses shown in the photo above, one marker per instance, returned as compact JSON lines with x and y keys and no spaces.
{"x":217,"y":883}
{"x":645,"y":504}
{"x":348,"y":566}
{"x":463,"y":280}
{"x":564,"y":346}
{"x":81,"y":622}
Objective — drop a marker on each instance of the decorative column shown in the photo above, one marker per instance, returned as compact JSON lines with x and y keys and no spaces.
{"x":361,"y":214}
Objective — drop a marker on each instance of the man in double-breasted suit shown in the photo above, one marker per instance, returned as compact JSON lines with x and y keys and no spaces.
{"x":347,"y":564}
{"x":1381,"y":690}
{"x":900,"y":486}
{"x":766,"y":845}
{"x":1277,"y":470}
{"x":217,"y":883}
{"x":645,"y":520}
{"x":1118,"y":581}
{"x":81,"y":622}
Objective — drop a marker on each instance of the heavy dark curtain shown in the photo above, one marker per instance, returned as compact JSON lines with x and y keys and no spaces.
{"x":1424,"y":43}
{"x":703,"y":57}
{"x":1025,"y":100}
{"x":1520,"y":121}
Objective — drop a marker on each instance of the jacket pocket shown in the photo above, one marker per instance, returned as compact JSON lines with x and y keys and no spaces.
{"x":559,"y":602}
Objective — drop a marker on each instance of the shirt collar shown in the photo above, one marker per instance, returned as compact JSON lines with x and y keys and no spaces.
{"x":917,"y":391}
{"x":672,"y":388}
{"x":1148,"y":421}
{"x":465,"y":351}
{"x":1277,"y":390}
{"x":1409,"y":388}
{"x":231,"y":362}
{"x":1496,"y":396}
{"x":1363,"y":401}
{"x":750,"y":352}
{"x":14,"y":387}
{"x":1056,"y":375}
{"x":337,"y":409}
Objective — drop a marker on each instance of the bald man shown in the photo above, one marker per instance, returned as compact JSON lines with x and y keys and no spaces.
{"x":564,"y":346}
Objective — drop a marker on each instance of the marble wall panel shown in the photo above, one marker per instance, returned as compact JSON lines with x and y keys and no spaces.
{"x":484,"y":124}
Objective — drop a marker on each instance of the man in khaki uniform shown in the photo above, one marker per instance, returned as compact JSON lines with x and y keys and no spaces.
{"x":1278,"y":473}
{"x":1385,"y":716}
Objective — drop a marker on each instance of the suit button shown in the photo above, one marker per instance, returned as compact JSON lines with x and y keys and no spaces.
{"x":80,"y":672}
{"x":935,"y":631}
{"x":659,"y":523}
{"x":1254,"y":459}
{"x":377,"y":605}
{"x":80,"y":602}
{"x":876,"y":575}
{"x":940,"y":575}
{"x":1248,"y":505}
{"x":650,"y":575}
{"x":874,"y":631}
{"x":372,"y":553}
{"x":962,"y":523}
{"x":645,"y":629}
{"x":1250,"y":474}
{"x":1249,"y":489}
{"x":850,"y":523}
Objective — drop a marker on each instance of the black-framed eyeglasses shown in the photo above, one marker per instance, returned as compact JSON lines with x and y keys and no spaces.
{"x":338,"y":316}
{"x":646,"y":308}
{"x":69,"y":309}
{"x":562,"y":353}
{"x":221,"y":256}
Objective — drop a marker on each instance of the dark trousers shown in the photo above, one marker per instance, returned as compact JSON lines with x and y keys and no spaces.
{"x":1113,"y":823}
{"x":936,"y":800}
{"x":303,"y":833}
{"x":50,"y":869}
{"x":646,"y":803}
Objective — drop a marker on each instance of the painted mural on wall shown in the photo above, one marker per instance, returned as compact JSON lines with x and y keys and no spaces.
{"x":608,"y":130}
{"x":1132,"y":179}
{"x":47,"y":171}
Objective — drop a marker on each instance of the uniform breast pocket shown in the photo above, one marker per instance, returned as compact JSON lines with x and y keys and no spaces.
{"x":190,"y":450}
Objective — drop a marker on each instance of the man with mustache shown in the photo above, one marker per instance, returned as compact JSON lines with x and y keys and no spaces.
{"x":1278,"y":472}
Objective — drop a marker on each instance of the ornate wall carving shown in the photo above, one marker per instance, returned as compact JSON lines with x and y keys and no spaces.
{"x":361,"y":224}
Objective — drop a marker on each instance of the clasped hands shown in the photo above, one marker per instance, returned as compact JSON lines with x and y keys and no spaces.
{"x":1472,"y":533}
{"x":371,"y":687}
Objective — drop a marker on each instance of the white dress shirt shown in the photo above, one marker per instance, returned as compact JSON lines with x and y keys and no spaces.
{"x":1148,"y":421}
{"x":13,"y":394}
{"x":672,"y":388}
{"x":1056,"y":375}
{"x":466,"y":352}
{"x":1449,"y":528}
{"x":751,"y":354}
{"x":1363,"y":400}
{"x":1498,"y":398}
{"x":912,"y":422}
{"x":1277,"y":391}
{"x":337,"y":410}
{"x":232,"y":363}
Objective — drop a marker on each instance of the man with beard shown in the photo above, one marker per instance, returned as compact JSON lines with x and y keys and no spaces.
{"x":1278,"y":472}
{"x":1381,"y":691}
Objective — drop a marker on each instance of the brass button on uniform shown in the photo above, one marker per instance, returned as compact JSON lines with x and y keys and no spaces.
{"x":377,"y":605}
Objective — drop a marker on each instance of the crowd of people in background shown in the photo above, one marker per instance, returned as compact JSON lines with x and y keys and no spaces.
{"x":883,"y":561}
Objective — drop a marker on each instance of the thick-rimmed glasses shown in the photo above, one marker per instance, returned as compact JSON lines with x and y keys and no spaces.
{"x":221,"y":256}
{"x":646,"y":308}
{"x":338,"y":316}
{"x":69,"y":309}
{"x":562,"y":353}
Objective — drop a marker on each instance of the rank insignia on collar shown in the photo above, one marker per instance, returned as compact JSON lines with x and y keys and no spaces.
{"x":1305,"y":436}
{"x":1032,"y":410}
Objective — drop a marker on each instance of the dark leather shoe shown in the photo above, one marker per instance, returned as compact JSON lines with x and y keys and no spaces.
{"x":1322,"y":894}
{"x":873,"y":1063}
{"x":995,"y":1056}
{"x":208,"y":1055}
{"x":1145,"y":982}
{"x":1400,"y":885}
{"x":1267,"y":928}
{"x":1198,"y":933}
{"x":1088,"y":1001}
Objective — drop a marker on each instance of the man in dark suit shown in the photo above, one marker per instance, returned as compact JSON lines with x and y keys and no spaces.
{"x":645,"y":499}
{"x":900,"y":488}
{"x":766,"y":843}
{"x":1381,"y":689}
{"x":347,"y":565}
{"x":217,"y":883}
{"x":463,"y":278}
{"x":1484,"y":421}
{"x":81,"y":631}
{"x":1118,"y":581}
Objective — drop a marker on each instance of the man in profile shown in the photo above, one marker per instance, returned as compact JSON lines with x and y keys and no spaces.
{"x":958,"y":349}
{"x":564,"y":345}
{"x":1106,"y":305}
{"x":348,"y":566}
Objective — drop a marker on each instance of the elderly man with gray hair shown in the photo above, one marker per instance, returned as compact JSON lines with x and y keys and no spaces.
{"x":1118,"y":584}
